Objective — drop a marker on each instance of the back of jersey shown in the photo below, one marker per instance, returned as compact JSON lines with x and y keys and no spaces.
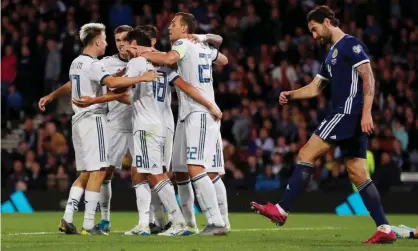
{"x":86,"y":76}
{"x":195,"y":67}
{"x":148,"y":98}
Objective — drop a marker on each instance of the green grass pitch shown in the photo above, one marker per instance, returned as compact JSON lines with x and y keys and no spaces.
{"x":319,"y":232}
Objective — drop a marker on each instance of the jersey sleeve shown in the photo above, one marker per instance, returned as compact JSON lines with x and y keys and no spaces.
{"x":180,"y":46}
{"x":172,"y":75}
{"x":98,"y":72}
{"x":357,"y":52}
{"x":213,"y":53}
{"x":323,"y":73}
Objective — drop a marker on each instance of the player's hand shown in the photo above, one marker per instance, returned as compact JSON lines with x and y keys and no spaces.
{"x":83,"y":101}
{"x":149,"y":76}
{"x":367,"y":125}
{"x":119,"y":73}
{"x":284,"y":97}
{"x":44,"y":101}
{"x":136,"y":51}
{"x":215,"y":112}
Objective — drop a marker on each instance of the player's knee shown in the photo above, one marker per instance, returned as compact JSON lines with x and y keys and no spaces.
{"x":135,"y":176}
{"x":181,"y":176}
{"x":82,"y":180}
{"x":357,"y":171}
{"x":195,"y":170}
{"x":155,"y":179}
{"x":305,"y":155}
{"x":213,"y":175}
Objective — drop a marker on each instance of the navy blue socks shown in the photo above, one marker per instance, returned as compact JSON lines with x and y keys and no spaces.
{"x":371,"y":199}
{"x":297,"y":183}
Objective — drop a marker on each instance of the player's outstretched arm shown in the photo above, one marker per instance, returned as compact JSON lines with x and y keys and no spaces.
{"x":168,"y":58}
{"x":86,"y":101}
{"x":366,"y":73}
{"x":63,"y":90}
{"x":123,"y":82}
{"x":193,"y":93}
{"x":309,"y":91}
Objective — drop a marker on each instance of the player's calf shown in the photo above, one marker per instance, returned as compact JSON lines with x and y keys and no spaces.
{"x":104,"y":200}
{"x":186,"y":197}
{"x":92,"y":196}
{"x":357,"y":171}
{"x":76,"y":191}
{"x":143,"y":202}
{"x":165,"y":190}
{"x":221,"y":197}
{"x":206,"y":195}
{"x":300,"y":177}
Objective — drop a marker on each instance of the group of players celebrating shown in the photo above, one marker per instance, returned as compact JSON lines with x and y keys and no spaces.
{"x":133,"y":114}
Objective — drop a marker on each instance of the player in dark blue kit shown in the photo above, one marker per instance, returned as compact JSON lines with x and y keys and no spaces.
{"x":347,"y":69}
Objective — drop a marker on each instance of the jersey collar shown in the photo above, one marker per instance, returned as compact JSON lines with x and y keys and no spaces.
{"x":83,"y":54}
{"x":121,"y":59}
{"x":332,"y":47}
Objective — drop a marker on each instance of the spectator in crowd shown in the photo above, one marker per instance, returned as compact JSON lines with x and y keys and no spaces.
{"x":37,"y":180}
{"x":8,"y":68}
{"x":52,"y":66}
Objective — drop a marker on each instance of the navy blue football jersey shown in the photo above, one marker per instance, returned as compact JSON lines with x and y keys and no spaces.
{"x":339,"y":68}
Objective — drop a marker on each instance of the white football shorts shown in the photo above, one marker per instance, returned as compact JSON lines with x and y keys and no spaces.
{"x":119,"y":144}
{"x":195,"y":141}
{"x":91,"y":145}
{"x":148,"y":156}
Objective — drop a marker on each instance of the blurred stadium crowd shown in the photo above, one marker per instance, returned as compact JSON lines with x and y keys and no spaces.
{"x":269,"y":50}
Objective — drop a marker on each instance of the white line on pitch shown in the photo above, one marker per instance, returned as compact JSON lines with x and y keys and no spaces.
{"x":233,"y":230}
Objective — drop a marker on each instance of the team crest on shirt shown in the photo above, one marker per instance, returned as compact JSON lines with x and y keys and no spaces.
{"x":357,"y":49}
{"x":333,"y":61}
{"x":103,"y":69}
{"x":335,"y":53}
{"x":178,"y":43}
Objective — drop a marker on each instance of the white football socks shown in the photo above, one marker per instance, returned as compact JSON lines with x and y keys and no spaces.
{"x":105,"y":196}
{"x":143,"y":201}
{"x":167,"y":195}
{"x":186,"y":197}
{"x":72,"y":203}
{"x":157,"y":215}
{"x":91,"y":200}
{"x":206,"y":196}
{"x":222,"y":198}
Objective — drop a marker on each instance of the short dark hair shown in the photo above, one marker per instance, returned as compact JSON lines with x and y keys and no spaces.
{"x":320,"y":13}
{"x":189,"y":20}
{"x":150,"y":30}
{"x":139,"y":36}
{"x":122,"y":28}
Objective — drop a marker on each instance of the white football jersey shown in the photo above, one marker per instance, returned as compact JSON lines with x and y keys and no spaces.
{"x":86,"y":76}
{"x":119,"y":116}
{"x":149,"y":98}
{"x":195,"y":67}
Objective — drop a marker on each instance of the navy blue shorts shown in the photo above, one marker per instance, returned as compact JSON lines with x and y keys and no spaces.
{"x":344,"y":130}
